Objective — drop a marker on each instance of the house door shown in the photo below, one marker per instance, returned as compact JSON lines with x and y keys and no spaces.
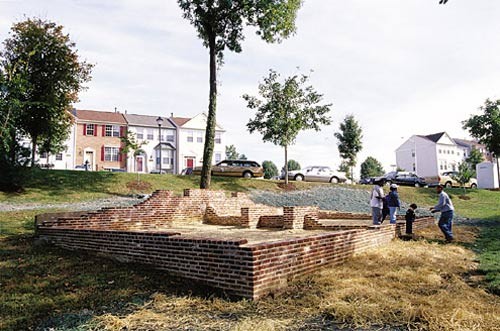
{"x":189,"y":163}
{"x":89,"y":157}
{"x":140,"y":164}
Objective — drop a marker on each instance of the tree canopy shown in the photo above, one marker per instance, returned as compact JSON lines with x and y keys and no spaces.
{"x":286,"y":108}
{"x":270,"y":169}
{"x":53,"y":76}
{"x":232,"y":153}
{"x":371,"y":167}
{"x":474,"y":158}
{"x":220,"y":25}
{"x":349,"y":138}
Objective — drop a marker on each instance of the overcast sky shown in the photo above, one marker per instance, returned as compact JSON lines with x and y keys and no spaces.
{"x":400,"y":67}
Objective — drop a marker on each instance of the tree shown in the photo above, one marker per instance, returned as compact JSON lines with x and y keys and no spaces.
{"x":287,"y":109}
{"x":293,"y":165}
{"x":349,"y":138}
{"x":131,"y":145}
{"x":464,"y":174}
{"x":54,"y":77}
{"x":345,"y":168}
{"x":371,"y":167}
{"x":220,"y":24}
{"x":270,"y":169}
{"x":474,"y":158}
{"x":486,"y":128}
{"x":232,"y":153}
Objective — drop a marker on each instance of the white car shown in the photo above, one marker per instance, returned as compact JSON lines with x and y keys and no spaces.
{"x":317,"y":174}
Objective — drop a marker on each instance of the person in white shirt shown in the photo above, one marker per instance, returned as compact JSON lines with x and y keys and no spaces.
{"x":376,"y":201}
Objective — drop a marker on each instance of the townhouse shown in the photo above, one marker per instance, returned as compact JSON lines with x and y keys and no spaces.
{"x":157,"y":144}
{"x":97,"y":139}
{"x":191,"y":139}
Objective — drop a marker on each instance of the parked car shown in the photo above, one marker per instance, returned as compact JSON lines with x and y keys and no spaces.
{"x":408,"y":179}
{"x":366,"y":181}
{"x":80,"y":167}
{"x":448,"y":179}
{"x":317,"y":174}
{"x":235,"y":168}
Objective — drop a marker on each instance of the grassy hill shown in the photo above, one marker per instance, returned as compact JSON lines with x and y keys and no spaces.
{"x":421,"y":284}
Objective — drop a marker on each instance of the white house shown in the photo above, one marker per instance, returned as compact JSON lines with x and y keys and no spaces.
{"x":146,"y":131}
{"x":191,"y":139}
{"x":430,"y":155}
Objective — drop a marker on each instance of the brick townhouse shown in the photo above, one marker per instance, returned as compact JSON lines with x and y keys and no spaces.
{"x":97,"y":139}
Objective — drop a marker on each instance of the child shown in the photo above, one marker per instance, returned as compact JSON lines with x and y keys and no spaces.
{"x":410,"y":218}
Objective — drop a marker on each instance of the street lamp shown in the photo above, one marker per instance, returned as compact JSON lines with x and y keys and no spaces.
{"x":159,"y":120}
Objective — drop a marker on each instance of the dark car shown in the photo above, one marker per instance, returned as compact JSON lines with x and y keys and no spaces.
{"x":366,"y":181}
{"x":409,"y":179}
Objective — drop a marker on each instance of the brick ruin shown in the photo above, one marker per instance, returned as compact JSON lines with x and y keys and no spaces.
{"x":231,"y":243}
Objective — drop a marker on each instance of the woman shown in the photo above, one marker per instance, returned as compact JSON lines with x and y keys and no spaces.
{"x":393,"y":203}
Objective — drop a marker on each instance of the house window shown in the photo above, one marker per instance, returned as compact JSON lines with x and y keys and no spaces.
{"x":413,"y":154}
{"x":43,"y":155}
{"x":170,"y":137}
{"x":448,"y":151}
{"x":140,"y":134}
{"x":90,"y":129}
{"x":150,"y":135}
{"x":161,"y":137}
{"x":199,"y":137}
{"x":414,"y":168}
{"x":190,"y":135}
{"x":112,"y":131}
{"x":111,"y":153}
{"x":453,"y":152}
{"x":217,"y":157}
{"x":59,"y":156}
{"x":217,"y":138}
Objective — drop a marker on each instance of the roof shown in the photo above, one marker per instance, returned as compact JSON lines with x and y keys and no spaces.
{"x":180,"y":121}
{"x":147,"y":120}
{"x":467,"y":143}
{"x":99,"y":116}
{"x":434,"y":137}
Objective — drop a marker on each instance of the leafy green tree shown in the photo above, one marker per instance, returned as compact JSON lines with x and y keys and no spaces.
{"x":474,"y":158}
{"x":232,"y":153}
{"x":54,"y":75}
{"x":293,"y":165}
{"x":349,"y":138}
{"x":486,"y":128}
{"x":220,"y":24}
{"x":345,"y":168}
{"x":371,"y":167}
{"x":287,"y":109}
{"x":270,"y":169}
{"x":464,"y":174}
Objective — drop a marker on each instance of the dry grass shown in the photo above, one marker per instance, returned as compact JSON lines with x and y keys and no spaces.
{"x":416,"y":285}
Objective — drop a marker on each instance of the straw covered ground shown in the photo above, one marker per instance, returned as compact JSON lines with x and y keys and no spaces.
{"x":416,"y":285}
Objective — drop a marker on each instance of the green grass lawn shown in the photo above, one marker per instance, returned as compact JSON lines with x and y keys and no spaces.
{"x":42,"y":282}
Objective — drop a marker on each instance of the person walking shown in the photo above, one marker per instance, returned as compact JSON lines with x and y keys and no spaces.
{"x":393,"y":203}
{"x":376,"y":201}
{"x":445,"y":206}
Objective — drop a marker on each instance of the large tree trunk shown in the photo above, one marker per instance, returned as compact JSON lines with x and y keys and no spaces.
{"x":210,"y":130}
{"x":33,"y":150}
{"x":286,"y":165}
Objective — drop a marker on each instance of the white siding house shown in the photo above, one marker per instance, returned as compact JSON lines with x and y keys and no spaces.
{"x":429,"y":155}
{"x":191,"y":141}
{"x":146,"y":131}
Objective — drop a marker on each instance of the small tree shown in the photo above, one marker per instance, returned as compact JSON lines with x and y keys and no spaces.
{"x":371,"y":167}
{"x":486,"y":128}
{"x":345,"y":168}
{"x":232,"y":153}
{"x":349,"y":138}
{"x":464,"y":174}
{"x":293,"y":165}
{"x":270,"y":169}
{"x":131,"y":145}
{"x":220,"y":25}
{"x":287,"y":109}
{"x":474,"y":158}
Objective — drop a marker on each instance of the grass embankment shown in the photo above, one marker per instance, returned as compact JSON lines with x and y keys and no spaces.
{"x":419,"y":285}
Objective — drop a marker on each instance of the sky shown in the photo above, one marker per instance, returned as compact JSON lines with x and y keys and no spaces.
{"x":400,"y":67}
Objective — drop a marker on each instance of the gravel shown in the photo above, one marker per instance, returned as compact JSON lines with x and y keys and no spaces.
{"x":85,"y":205}
{"x":330,"y":198}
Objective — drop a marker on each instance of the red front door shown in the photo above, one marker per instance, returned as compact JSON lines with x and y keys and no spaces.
{"x":190,"y":163}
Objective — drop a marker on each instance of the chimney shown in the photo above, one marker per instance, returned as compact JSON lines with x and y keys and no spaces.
{"x":171,"y":114}
{"x":125,"y":112}
{"x":115,"y":110}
